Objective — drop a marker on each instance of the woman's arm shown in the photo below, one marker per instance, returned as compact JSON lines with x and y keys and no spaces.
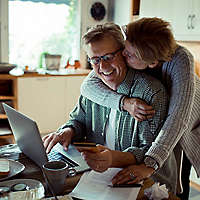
{"x":95,"y":90}
{"x":180,"y":81}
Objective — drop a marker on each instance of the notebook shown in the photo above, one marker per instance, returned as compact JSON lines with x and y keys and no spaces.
{"x":28,"y":138}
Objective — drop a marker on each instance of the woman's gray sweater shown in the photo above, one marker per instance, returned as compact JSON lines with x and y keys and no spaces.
{"x":183,"y":122}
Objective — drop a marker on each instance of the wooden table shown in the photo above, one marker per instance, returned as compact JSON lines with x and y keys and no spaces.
{"x":32,"y":171}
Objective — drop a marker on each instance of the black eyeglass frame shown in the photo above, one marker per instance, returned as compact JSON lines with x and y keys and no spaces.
{"x":92,"y":61}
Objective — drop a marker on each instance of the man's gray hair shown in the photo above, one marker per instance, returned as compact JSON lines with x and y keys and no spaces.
{"x":99,"y":31}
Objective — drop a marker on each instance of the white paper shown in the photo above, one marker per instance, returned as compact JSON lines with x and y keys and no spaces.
{"x":94,"y":185}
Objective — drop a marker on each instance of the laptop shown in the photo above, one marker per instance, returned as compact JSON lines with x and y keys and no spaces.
{"x":28,"y":138}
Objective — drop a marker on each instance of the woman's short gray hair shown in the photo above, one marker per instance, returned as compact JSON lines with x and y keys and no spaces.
{"x":99,"y":31}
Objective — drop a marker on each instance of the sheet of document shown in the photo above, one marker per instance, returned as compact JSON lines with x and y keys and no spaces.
{"x":94,"y":185}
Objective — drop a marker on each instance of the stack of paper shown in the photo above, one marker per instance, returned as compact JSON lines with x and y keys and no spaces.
{"x":94,"y":185}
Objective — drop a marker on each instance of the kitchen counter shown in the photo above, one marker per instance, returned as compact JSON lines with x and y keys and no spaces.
{"x":70,"y":72}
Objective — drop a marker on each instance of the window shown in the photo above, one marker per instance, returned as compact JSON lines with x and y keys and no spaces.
{"x":38,"y":26}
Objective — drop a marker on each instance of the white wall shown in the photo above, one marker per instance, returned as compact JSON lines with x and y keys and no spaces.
{"x":87,"y":21}
{"x":122,"y":11}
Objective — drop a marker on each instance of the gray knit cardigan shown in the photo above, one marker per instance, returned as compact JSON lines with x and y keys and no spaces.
{"x":182,"y":125}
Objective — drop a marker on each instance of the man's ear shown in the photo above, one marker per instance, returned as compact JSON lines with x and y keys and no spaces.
{"x":153,"y":64}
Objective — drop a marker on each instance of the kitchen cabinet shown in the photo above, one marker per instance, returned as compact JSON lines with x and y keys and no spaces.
{"x":187,"y":20}
{"x":8,"y":95}
{"x":72,"y":93}
{"x":156,"y":8}
{"x":149,"y":8}
{"x":43,"y":100}
{"x":184,"y":16}
{"x":46,"y":99}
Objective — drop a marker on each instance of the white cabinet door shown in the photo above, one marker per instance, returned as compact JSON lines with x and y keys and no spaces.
{"x":196,"y":18}
{"x":48,"y":100}
{"x":43,"y":100}
{"x":167,"y":10}
{"x":158,"y":8}
{"x":184,"y":16}
{"x":149,"y":8}
{"x":72,"y":93}
{"x":186,"y":20}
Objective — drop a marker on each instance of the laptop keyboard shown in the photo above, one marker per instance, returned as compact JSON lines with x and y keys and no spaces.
{"x":54,"y":155}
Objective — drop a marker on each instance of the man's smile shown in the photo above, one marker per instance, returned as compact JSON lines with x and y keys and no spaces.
{"x":107,"y":73}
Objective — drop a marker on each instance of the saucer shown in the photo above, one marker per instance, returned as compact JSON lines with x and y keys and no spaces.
{"x":15,"y":168}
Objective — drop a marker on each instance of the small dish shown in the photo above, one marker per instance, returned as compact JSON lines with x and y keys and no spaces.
{"x":15,"y":168}
{"x":35,"y":189}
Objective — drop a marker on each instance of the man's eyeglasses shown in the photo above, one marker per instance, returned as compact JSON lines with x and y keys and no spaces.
{"x":108,"y":58}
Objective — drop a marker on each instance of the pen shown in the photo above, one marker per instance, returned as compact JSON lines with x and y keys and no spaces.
{"x":126,"y":185}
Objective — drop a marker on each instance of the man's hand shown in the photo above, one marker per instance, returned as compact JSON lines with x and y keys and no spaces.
{"x":137,"y":108}
{"x":133,"y":174}
{"x":64,"y":137}
{"x":99,"y":161}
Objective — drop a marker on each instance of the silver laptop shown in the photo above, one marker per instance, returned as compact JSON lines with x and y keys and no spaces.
{"x":28,"y":138}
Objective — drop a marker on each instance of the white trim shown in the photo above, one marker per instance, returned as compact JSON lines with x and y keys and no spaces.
{"x":4,"y":31}
{"x":87,"y":21}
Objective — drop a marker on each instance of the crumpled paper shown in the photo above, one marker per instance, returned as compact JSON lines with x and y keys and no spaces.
{"x":156,"y":192}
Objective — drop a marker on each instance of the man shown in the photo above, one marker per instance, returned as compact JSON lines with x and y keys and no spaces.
{"x":125,"y":140}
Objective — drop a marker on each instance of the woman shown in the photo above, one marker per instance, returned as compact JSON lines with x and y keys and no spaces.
{"x":150,"y":46}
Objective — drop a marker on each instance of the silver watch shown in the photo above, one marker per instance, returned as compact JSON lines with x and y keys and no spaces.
{"x":150,"y":162}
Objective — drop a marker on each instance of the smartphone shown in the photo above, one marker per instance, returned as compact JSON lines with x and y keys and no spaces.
{"x":86,"y":146}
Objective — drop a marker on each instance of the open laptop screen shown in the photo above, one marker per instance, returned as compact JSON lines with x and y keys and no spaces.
{"x":28,"y":138}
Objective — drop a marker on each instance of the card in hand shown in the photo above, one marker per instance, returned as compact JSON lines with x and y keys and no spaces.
{"x":86,"y":146}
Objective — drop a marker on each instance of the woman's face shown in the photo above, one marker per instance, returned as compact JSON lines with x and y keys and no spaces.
{"x":132,"y":60}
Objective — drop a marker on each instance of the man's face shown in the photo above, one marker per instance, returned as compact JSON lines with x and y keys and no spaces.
{"x":110,"y":68}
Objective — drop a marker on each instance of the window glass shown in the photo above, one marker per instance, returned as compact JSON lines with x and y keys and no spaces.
{"x":37,"y":27}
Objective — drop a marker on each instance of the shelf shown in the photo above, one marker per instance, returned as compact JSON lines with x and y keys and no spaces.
{"x":7,"y":97}
{"x":4,"y":132}
{"x":3,"y":116}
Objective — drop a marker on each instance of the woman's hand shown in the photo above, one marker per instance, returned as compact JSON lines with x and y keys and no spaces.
{"x":139,"y":109}
{"x":99,"y":161}
{"x":133,"y":174}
